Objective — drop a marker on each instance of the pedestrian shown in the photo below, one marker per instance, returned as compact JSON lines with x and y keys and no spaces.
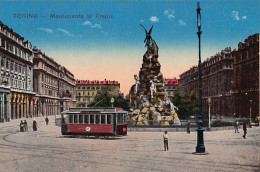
{"x":236,"y":125}
{"x":21,"y":126}
{"x":25,"y":126}
{"x":165,"y":141}
{"x":47,"y":120}
{"x":188,"y":127}
{"x":34,"y":125}
{"x":245,"y":129}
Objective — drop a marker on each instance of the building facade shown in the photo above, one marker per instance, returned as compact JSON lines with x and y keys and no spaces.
{"x":246,"y":78}
{"x":170,"y":86}
{"x":217,"y":73}
{"x":16,"y":81}
{"x":54,"y":85}
{"x":86,"y":90}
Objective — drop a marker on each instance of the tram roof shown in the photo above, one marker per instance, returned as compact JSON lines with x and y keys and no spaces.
{"x":91,"y":110}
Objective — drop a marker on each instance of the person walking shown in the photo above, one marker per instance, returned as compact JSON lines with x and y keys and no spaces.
{"x":165,"y":141}
{"x":236,"y":126}
{"x":34,"y":125}
{"x":245,"y":129}
{"x":21,"y":126}
{"x":188,"y":127}
{"x":25,"y":125}
{"x":47,"y":120}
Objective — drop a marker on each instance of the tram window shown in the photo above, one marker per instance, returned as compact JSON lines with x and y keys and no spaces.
{"x":75,"y":119}
{"x":97,"y":119}
{"x":120,"y":118}
{"x":91,"y":119}
{"x":109,"y":119}
{"x":86,"y":119}
{"x":71,"y":119}
{"x":103,"y":119}
{"x":80,"y":119}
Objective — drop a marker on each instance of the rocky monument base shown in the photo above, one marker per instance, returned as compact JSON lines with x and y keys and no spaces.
{"x":148,"y":97}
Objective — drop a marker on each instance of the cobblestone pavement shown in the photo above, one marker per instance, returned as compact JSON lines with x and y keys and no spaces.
{"x":47,"y":150}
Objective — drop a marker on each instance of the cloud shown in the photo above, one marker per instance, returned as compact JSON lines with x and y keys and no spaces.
{"x":86,"y":23}
{"x":97,"y":26}
{"x":141,"y":21}
{"x":46,"y":30}
{"x":65,"y":32}
{"x":181,"y":22}
{"x":235,"y":15}
{"x":154,"y":19}
{"x":169,"y":13}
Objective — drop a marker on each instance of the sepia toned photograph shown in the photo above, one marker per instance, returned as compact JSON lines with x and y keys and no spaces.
{"x":129,"y":85}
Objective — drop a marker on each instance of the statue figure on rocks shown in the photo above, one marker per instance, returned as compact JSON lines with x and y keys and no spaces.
{"x":152,"y":88}
{"x":148,"y":38}
{"x":137,"y":82}
{"x":148,"y":93}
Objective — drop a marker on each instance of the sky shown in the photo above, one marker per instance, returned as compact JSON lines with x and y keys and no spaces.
{"x":107,"y":42}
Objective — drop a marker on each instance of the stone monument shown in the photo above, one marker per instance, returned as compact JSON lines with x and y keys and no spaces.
{"x":148,"y":97}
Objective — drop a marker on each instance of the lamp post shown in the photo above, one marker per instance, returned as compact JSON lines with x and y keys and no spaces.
{"x":250,"y":111}
{"x":200,"y":149}
{"x":209,"y":101}
{"x":112,"y":100}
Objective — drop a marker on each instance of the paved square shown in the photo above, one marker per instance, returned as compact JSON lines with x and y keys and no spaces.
{"x":47,"y":150}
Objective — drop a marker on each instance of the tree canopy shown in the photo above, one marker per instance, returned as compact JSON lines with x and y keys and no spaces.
{"x":187,"y":103}
{"x":103,"y":99}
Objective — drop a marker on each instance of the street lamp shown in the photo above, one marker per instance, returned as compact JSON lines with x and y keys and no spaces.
{"x":200,"y":149}
{"x":112,"y":100}
{"x":209,"y":101}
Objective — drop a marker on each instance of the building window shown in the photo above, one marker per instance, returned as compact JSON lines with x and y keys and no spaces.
{"x":12,"y":66}
{"x":3,"y":43}
{"x":2,"y":62}
{"x":7,"y":64}
{"x":16,"y":67}
{"x":20,"y":69}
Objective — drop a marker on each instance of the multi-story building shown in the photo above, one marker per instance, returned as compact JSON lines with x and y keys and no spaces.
{"x":16,"y":81}
{"x":86,"y":90}
{"x":54,"y":85}
{"x":189,"y":80}
{"x":246,"y":78}
{"x":217,"y":72}
{"x":170,"y":86}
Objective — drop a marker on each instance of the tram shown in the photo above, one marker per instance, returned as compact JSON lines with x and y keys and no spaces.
{"x":94,"y":121}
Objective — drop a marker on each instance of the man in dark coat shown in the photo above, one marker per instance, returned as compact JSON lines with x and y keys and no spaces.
{"x":34,"y":125}
{"x":47,"y":120}
{"x":245,"y":129}
{"x":21,"y":126}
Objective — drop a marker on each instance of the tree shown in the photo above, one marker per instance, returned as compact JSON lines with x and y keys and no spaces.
{"x":187,"y":103}
{"x":103,"y":97}
{"x":81,"y":104}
